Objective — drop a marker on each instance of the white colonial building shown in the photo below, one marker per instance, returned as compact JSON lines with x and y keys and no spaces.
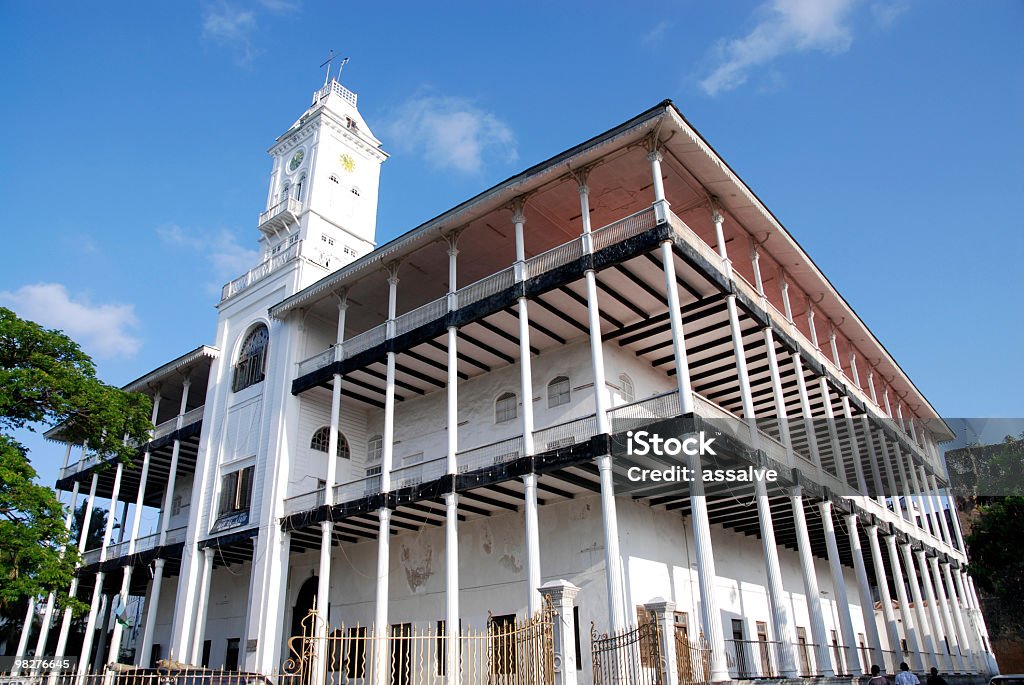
{"x":434,"y":432}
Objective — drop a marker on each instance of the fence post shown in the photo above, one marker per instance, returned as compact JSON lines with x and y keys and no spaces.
{"x":562,"y":595}
{"x":663,"y":611}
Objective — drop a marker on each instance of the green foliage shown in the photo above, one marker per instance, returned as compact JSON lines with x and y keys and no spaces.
{"x":996,"y":549}
{"x":46,"y":379}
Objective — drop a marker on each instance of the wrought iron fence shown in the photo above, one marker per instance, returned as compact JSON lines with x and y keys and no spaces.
{"x":752,"y":658}
{"x":415,"y":474}
{"x":631,"y":655}
{"x":490,"y":454}
{"x":564,"y":434}
{"x":693,"y":659}
{"x":643,"y":412}
{"x":624,"y":228}
{"x":485,"y":287}
{"x":554,"y":258}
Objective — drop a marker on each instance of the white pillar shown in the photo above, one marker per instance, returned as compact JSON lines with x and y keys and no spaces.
{"x":882,"y":579}
{"x":777,"y":394}
{"x":533,"y":577}
{"x":115,"y":638}
{"x":805,"y":409}
{"x":380,"y":623}
{"x":675,"y":318}
{"x":910,"y":624}
{"x":84,"y":661}
{"x":90,"y":625}
{"x":202,"y":606}
{"x":855,"y":451}
{"x":839,"y":586}
{"x":83,"y":534}
{"x":525,"y":378}
{"x":612,"y":560}
{"x":921,"y":613}
{"x":942,"y":602}
{"x":867,"y":603}
{"x":787,"y":306}
{"x":956,"y":611}
{"x":152,"y":611}
{"x":711,"y":617}
{"x":44,"y":630}
{"x":873,"y":460}
{"x":26,"y":628}
{"x":810,"y":324}
{"x":934,"y":618}
{"x":940,"y":512}
{"x":451,"y":537}
{"x":562,"y":595}
{"x":743,"y":377}
{"x":853,"y":369}
{"x":783,"y":626}
{"x":811,"y":591}
{"x":180,"y":635}
{"x":890,"y":474}
{"x":830,"y":423}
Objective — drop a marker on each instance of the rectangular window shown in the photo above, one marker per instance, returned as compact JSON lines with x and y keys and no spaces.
{"x":576,"y":629}
{"x":236,"y":490}
{"x":501,"y":634}
{"x":740,"y":647}
{"x":805,"y":653}
{"x":766,"y":659}
{"x":154,"y":655}
{"x":231,"y":654}
{"x":207,"y":644}
{"x":442,"y":646}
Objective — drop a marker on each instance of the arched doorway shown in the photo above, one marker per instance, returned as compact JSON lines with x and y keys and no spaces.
{"x":303,"y":604}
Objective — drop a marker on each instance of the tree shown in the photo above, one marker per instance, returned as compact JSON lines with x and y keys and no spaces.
{"x":997,"y":559}
{"x":45,"y":378}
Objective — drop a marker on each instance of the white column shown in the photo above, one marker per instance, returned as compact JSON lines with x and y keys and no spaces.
{"x":923,"y":507}
{"x":973,"y":634}
{"x":26,"y":628}
{"x":533,"y":577}
{"x":115,"y":638}
{"x":783,"y":626}
{"x":940,"y":512}
{"x":711,"y":617}
{"x":451,"y":614}
{"x":805,"y":409}
{"x":380,"y":623}
{"x":956,"y":656}
{"x":787,"y":306}
{"x":675,"y":318}
{"x":830,"y":423}
{"x":934,"y":618}
{"x":152,"y":611}
{"x":811,"y":591}
{"x":873,"y":459}
{"x":562,"y":594}
{"x":810,"y":324}
{"x":90,"y":625}
{"x":867,"y":603}
{"x":921,"y":613}
{"x":777,"y":394}
{"x":180,"y":635}
{"x":953,"y":606}
{"x":910,"y":624}
{"x":839,"y":586}
{"x":853,"y":369}
{"x":83,"y":534}
{"x":890,"y":475}
{"x":612,"y":560}
{"x":451,"y":530}
{"x":202,"y":606}
{"x":908,"y":487}
{"x":855,"y":452}
{"x":892,"y":628}
{"x":44,"y":632}
{"x":90,"y":628}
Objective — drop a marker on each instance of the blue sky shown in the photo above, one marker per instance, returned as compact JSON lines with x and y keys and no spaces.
{"x":886,"y":136}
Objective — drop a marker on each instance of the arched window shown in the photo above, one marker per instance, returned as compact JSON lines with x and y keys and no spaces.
{"x":558,"y":391}
{"x":285,"y":189}
{"x":321,"y":442}
{"x":628,"y":391}
{"x":299,"y":185}
{"x":252,"y":359}
{"x":505,"y":407}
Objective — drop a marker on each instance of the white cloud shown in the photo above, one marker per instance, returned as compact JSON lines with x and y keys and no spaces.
{"x":451,"y":132}
{"x":887,"y":12}
{"x":785,"y":26}
{"x":101,"y":329}
{"x":656,"y":34}
{"x":234,"y":25}
{"x":226,"y":257}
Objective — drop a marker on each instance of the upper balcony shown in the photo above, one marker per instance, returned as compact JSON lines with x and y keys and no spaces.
{"x":280,"y":216}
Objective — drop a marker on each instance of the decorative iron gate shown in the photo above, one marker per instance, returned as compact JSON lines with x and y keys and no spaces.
{"x":631,"y":656}
{"x":509,"y":651}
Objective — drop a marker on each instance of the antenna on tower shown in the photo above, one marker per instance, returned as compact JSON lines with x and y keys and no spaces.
{"x":327,"y":63}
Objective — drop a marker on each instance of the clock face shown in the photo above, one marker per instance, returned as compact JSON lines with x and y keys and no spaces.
{"x":296,"y":160}
{"x":347,"y":163}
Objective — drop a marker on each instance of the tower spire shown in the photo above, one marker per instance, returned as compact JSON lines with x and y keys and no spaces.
{"x":327,"y":63}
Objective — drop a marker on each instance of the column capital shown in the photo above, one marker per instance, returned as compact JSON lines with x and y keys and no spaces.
{"x":654,"y":156}
{"x":583,"y":189}
{"x":518,"y":207}
{"x":341,"y":297}
{"x":558,"y":591}
{"x":795,"y":490}
{"x":391,"y":271}
{"x":716,"y":216}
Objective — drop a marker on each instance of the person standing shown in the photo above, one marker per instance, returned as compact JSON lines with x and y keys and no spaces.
{"x":876,"y":677}
{"x":934,"y":678}
{"x":906,"y":676}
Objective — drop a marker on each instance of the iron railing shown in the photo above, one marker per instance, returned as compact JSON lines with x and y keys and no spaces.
{"x":571,"y":432}
{"x":487,"y":455}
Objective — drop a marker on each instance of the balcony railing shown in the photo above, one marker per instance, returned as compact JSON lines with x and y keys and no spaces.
{"x":565,"y":434}
{"x":289,"y":208}
{"x":414,"y":474}
{"x":260,"y":272}
{"x":488,"y":455}
{"x":142,"y":544}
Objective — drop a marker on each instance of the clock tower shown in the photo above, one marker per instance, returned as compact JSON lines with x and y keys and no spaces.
{"x":324,"y":182}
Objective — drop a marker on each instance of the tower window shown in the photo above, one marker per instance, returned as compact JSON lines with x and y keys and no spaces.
{"x":252,"y":359}
{"x":236,"y":490}
{"x":327,"y":239}
{"x":355,"y":191}
{"x":333,"y":178}
{"x":558,"y":391}
{"x":505,"y":407}
{"x":298,"y":187}
{"x":321,"y":442}
{"x":350,"y":251}
{"x":285,"y":189}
